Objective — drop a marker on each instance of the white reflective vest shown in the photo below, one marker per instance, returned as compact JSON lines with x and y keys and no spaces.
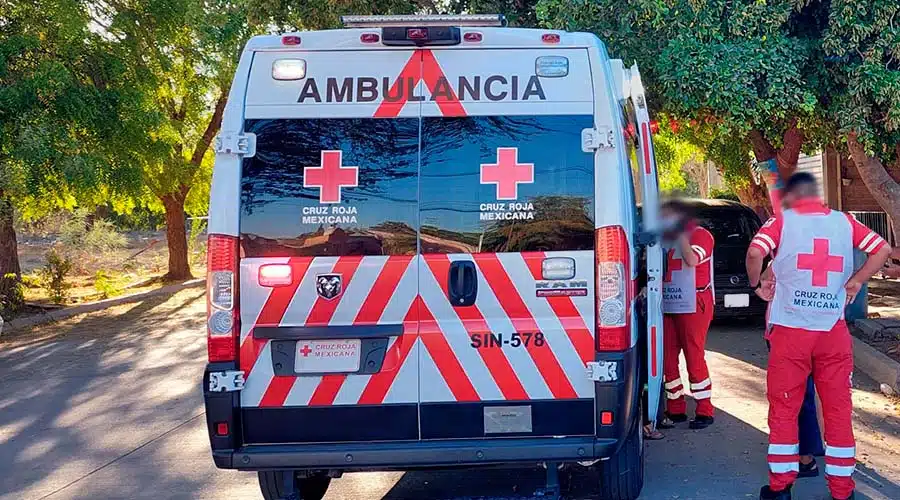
{"x":680,"y":290}
{"x":813,"y":262}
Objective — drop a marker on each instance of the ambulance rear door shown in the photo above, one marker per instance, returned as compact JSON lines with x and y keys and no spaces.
{"x":507,"y":241}
{"x":328,"y":225}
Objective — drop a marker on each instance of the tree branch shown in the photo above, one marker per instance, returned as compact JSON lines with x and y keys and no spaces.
{"x":211,"y":129}
{"x":789,"y":154}
{"x":762,"y":148}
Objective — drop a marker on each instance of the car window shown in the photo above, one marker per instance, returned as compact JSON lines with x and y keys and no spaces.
{"x":728,"y":225}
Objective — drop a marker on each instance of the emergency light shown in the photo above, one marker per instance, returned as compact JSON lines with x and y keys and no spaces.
{"x":423,"y":21}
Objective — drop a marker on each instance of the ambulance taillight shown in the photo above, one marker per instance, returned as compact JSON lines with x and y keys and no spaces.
{"x":221,"y":296}
{"x":613,"y":289}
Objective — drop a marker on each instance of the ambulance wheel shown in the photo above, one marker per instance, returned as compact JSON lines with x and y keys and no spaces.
{"x":271,"y":483}
{"x":622,"y":475}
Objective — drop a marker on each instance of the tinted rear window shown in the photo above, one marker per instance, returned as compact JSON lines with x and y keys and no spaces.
{"x":462,"y":214}
{"x":285,"y":214}
{"x":728,"y":225}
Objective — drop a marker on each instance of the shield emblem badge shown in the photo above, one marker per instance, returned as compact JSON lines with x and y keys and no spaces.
{"x":328,"y":286}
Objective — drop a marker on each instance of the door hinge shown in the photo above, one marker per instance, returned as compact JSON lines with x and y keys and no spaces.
{"x":593,"y":139}
{"x":227,"y":381}
{"x":236,"y":144}
{"x":603,"y":371}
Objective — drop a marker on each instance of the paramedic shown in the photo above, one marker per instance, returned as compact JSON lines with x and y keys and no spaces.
{"x":814,"y":280}
{"x":688,"y":304}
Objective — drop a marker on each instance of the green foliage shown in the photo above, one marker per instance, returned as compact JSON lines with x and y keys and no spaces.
{"x":81,"y":236}
{"x":197,"y":241}
{"x":672,"y":152}
{"x":14,"y":298}
{"x":106,"y":284}
{"x":53,"y":276}
{"x":723,"y":194}
{"x":862,"y":47}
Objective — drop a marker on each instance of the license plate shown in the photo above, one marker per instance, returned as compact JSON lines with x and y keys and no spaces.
{"x":327,"y":356}
{"x":737,"y":300}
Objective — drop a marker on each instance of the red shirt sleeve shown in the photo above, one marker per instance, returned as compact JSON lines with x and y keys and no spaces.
{"x":864,"y":238}
{"x":769,"y":236}
{"x":702,"y":243}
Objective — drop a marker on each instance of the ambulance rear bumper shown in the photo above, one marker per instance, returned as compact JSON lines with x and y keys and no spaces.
{"x":417,"y":454}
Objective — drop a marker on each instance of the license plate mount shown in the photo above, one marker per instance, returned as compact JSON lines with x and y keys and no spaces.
{"x":327,"y":356}
{"x":737,"y":300}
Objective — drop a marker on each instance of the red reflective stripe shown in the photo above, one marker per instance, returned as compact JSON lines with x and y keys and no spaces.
{"x":277,"y":391}
{"x":382,"y":290}
{"x":473,"y":321}
{"x":566,"y":311}
{"x":327,"y":390}
{"x":645,"y":134}
{"x":451,"y":370}
{"x":432,"y":73}
{"x":783,"y":459}
{"x":390,"y":109}
{"x":522,"y":320}
{"x":845,"y":462}
{"x":321,"y":314}
{"x":323,"y":309}
{"x":379,"y":384}
{"x":272,"y":312}
{"x":653,"y":347}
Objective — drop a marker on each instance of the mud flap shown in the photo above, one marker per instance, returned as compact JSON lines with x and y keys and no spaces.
{"x":654,"y":254}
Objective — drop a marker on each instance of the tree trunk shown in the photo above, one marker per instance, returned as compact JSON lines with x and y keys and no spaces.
{"x":756,"y":197}
{"x":786,"y":157}
{"x":176,"y":237}
{"x":881,"y":185}
{"x":9,"y":256}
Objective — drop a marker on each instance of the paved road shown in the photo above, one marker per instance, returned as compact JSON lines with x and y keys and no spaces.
{"x":108,"y":406}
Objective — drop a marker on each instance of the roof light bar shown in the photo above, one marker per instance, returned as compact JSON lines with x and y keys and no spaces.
{"x":425,"y":20}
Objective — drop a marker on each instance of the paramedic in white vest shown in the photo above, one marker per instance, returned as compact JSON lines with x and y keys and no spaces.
{"x":688,"y":305}
{"x":814,"y":281}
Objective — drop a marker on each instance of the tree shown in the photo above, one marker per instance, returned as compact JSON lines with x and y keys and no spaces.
{"x":863,"y":49}
{"x":738,"y":70}
{"x":54,"y":108}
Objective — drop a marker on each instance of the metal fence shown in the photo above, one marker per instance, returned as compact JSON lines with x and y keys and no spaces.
{"x":878,"y":222}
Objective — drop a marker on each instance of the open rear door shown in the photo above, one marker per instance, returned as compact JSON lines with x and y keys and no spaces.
{"x":650,"y":197}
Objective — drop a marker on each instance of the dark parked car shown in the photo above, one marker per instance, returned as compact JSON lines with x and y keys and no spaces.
{"x":733,"y":225}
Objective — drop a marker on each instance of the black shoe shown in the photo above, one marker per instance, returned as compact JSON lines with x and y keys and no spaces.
{"x":701,"y":422}
{"x":851,"y":497}
{"x":766,"y":493}
{"x":808,"y":470}
{"x":670,"y":419}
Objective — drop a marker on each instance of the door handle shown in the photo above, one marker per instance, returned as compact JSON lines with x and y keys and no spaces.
{"x":462,"y":283}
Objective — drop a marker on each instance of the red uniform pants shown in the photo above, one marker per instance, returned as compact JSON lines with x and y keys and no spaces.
{"x":829,"y":357}
{"x":688,"y":332}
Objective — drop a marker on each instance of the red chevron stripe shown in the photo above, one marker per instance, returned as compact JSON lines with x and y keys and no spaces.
{"x":452,"y":372}
{"x":272,"y":312}
{"x":372,"y":307}
{"x":473,"y":321}
{"x":565,"y":310}
{"x":320,"y":315}
{"x":379,"y":384}
{"x":524,"y":322}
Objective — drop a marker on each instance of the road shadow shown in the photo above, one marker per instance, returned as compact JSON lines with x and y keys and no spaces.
{"x":95,"y":388}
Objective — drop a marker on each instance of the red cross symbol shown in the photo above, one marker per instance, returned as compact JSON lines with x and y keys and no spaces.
{"x":820,"y":262}
{"x":330,"y":177}
{"x":672,"y":264}
{"x":507,"y":173}
{"x":305,"y":351}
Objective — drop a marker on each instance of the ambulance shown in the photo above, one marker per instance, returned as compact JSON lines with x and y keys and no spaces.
{"x":424,"y":252}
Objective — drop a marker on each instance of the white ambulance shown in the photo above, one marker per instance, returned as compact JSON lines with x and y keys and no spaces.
{"x":424,"y":253}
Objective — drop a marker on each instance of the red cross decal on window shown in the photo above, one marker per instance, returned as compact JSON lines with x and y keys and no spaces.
{"x":507,"y":173}
{"x":330,"y":177}
{"x":672,"y":264}
{"x":820,"y":262}
{"x":305,"y":351}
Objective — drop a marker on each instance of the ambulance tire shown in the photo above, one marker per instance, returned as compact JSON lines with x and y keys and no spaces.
{"x":622,"y":475}
{"x":271,"y":483}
